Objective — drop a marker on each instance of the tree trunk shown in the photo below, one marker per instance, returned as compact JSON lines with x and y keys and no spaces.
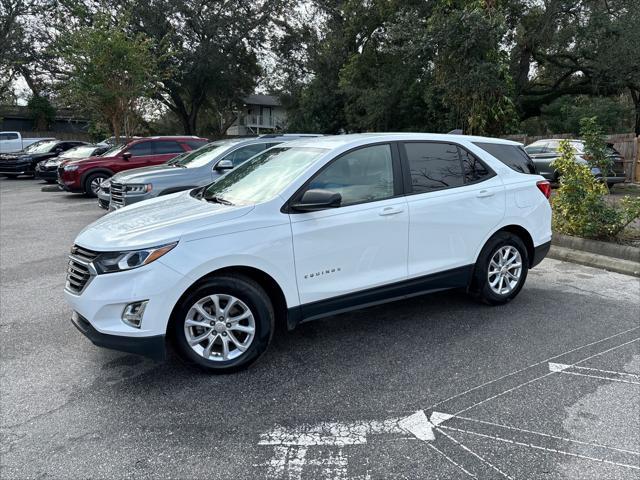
{"x":115,"y":124}
{"x":635,"y":95}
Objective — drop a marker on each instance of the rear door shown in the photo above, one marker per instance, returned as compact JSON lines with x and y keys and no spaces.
{"x":455,"y":201}
{"x":165,"y":150}
{"x":361,"y":244}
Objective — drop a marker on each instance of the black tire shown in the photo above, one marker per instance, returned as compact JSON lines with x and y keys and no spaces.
{"x":247,"y":291}
{"x":49,"y":180}
{"x":11,"y":177}
{"x":480,"y":288}
{"x":89,"y":181}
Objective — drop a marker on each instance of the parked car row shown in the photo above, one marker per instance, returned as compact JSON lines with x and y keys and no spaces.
{"x":286,"y":229}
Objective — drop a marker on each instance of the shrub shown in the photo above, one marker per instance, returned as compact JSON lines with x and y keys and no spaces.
{"x":580,"y":207}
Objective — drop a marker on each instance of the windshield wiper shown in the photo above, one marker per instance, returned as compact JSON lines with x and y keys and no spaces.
{"x":217,"y":199}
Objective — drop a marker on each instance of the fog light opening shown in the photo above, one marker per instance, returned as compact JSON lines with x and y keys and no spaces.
{"x":133,"y":312}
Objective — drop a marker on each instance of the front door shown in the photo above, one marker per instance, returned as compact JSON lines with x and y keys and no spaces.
{"x":362,"y":243}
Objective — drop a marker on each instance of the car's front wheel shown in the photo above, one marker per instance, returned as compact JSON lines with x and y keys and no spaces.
{"x":224,"y":324}
{"x":93,"y":182}
{"x":501,"y":269}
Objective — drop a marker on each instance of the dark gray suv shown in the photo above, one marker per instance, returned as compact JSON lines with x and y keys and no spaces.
{"x":189,"y":170}
{"x":543,"y":152}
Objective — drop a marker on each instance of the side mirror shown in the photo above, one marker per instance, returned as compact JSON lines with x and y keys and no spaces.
{"x":224,"y":165}
{"x":126,"y":156}
{"x":317,"y":199}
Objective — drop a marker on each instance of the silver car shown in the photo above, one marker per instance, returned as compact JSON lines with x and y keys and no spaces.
{"x":189,"y":170}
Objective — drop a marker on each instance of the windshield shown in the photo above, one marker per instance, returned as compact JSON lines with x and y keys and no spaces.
{"x":79,"y":152}
{"x":41,"y":147}
{"x":203,"y":155}
{"x":262,"y":177}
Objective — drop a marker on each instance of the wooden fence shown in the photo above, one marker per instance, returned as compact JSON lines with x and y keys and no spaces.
{"x":626,"y":143}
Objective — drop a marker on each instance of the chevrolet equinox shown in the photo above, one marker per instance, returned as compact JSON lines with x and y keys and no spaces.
{"x":304,"y":230}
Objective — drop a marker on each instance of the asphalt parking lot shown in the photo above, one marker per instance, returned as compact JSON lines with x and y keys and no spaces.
{"x":547,"y":386}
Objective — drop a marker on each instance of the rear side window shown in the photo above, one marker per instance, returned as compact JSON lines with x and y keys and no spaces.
{"x":8,"y":136}
{"x":474,"y":170}
{"x":163,"y":147}
{"x":433,"y":166}
{"x":513,"y":156}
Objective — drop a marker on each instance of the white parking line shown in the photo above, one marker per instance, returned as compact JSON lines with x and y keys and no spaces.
{"x":604,"y":374}
{"x":515,"y":372}
{"x":538,"y":447}
{"x":509,"y":390}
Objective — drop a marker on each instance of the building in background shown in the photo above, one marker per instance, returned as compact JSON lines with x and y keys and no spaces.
{"x":260,"y":114}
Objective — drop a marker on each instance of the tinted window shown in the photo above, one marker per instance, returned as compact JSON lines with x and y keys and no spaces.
{"x":194,"y":144}
{"x":536,"y":148}
{"x":8,"y":136}
{"x":433,"y":166}
{"x":513,"y":156}
{"x":244,"y":153}
{"x":474,"y":170}
{"x":140,"y":149}
{"x":360,"y":176}
{"x":165,"y":146}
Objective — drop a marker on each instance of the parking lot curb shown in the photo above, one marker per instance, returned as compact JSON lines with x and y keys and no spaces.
{"x":597,"y":260}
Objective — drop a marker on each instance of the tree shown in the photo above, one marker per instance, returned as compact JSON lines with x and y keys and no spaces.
{"x":108,"y":70}
{"x":212,"y":60}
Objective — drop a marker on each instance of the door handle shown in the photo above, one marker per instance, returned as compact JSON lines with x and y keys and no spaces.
{"x":390,"y":211}
{"x":484,"y":194}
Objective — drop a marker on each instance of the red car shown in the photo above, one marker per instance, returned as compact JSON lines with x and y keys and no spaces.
{"x":85,"y":175}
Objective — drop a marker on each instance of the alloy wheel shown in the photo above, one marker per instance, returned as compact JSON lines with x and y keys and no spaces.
{"x":219,"y":327}
{"x":505,"y":270}
{"x":95,"y":184}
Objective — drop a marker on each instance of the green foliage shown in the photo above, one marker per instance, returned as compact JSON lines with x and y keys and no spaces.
{"x":594,"y":145}
{"x":615,"y":115}
{"x":110,"y":70}
{"x":42,"y":112}
{"x":580,"y":206}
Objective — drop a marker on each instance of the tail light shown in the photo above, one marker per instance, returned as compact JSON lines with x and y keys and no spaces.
{"x":545,"y":187}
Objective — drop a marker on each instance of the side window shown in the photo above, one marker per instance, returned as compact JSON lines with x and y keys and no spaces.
{"x":245,"y":153}
{"x":512,"y":156}
{"x":474,"y":170}
{"x":433,"y":166}
{"x":363,"y":175}
{"x":139,"y":149}
{"x":195,"y":144}
{"x":163,"y":147}
{"x":536,"y":148}
{"x":8,"y":136}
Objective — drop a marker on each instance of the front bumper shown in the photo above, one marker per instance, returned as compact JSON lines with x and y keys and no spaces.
{"x":103,"y":199}
{"x":46,"y":173}
{"x":69,"y":181}
{"x":15,"y":168}
{"x":105,"y":297}
{"x":152,"y":347}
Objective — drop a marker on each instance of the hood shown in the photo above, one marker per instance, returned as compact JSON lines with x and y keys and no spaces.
{"x":156,"y":222}
{"x":27,"y":155}
{"x":73,"y":161}
{"x":147,"y":174}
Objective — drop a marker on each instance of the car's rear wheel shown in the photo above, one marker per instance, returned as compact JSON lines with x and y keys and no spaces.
{"x":93,"y":182}
{"x":501,"y":269}
{"x":225,"y":324}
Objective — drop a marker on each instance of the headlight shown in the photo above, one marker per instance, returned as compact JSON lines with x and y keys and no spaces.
{"x":106,"y":186}
{"x":70,"y":168}
{"x":143,"y":188}
{"x":110,"y":262}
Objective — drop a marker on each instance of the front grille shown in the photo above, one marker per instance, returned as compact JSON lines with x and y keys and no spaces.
{"x":78,"y":270}
{"x":117,"y":194}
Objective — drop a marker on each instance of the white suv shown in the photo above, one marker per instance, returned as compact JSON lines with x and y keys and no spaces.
{"x":304,"y":230}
